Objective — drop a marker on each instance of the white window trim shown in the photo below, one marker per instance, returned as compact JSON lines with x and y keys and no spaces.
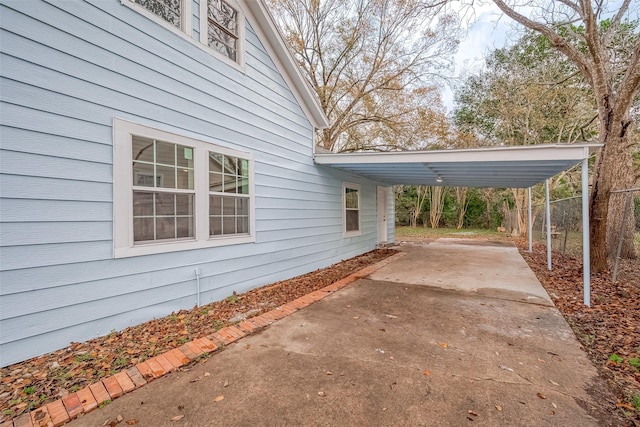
{"x":123,"y":245}
{"x":357,"y":232}
{"x":186,"y":30}
{"x":204,"y":33}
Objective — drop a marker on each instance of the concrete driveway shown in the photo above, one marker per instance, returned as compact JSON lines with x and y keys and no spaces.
{"x":454,"y":333}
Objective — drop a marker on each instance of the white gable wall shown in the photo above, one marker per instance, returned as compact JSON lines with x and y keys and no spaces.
{"x":69,"y":68}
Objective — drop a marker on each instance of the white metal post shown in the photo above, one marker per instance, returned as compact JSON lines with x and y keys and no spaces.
{"x":530,"y":231}
{"x":586,"y":257}
{"x":548,"y":215}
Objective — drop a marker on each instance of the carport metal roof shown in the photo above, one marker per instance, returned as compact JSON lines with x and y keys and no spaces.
{"x":498,"y":167}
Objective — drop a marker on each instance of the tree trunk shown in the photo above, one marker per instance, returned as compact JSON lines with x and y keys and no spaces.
{"x":461,"y":198}
{"x":614,"y":170}
{"x":437,"y":203}
{"x":520,"y":198}
{"x":618,"y":230}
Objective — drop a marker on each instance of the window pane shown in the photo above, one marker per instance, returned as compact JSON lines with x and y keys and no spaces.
{"x":243,"y":206}
{"x":228,"y":225}
{"x":184,"y":157}
{"x":184,"y":204}
{"x":165,"y":228}
{"x":224,"y":15}
{"x":243,"y":167}
{"x":165,"y":153}
{"x":143,"y":175}
{"x":243,"y":185}
{"x":228,"y":206}
{"x":352,"y":221}
{"x":230,"y":184}
{"x":142,"y":149}
{"x":185,"y":179}
{"x":165,"y":204}
{"x":215,"y":226}
{"x":215,"y":205}
{"x":215,"y":162}
{"x":185,"y":227}
{"x":351,"y":198}
{"x":142,"y":229}
{"x":142,"y":204}
{"x":243,"y":224}
{"x":169,"y":10}
{"x":166,"y":176}
{"x":215,"y":182}
{"x":222,"y":42}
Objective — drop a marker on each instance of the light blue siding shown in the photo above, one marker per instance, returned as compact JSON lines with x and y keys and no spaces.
{"x":68,"y":69}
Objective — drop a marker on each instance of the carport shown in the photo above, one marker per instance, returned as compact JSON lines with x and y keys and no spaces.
{"x":493,"y":167}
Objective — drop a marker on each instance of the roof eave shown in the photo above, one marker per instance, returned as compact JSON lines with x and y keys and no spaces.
{"x":290,"y":70}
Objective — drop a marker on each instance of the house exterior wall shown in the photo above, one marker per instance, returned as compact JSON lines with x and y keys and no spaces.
{"x":70,"y":68}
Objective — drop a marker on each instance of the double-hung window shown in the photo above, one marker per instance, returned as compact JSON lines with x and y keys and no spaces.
{"x":350,"y":209}
{"x":172,"y":192}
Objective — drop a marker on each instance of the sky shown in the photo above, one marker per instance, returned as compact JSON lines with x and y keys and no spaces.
{"x":488,"y":31}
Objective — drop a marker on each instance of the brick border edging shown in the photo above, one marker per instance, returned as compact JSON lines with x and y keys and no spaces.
{"x":92,"y":396}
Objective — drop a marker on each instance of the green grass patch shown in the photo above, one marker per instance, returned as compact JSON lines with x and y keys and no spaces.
{"x":615,"y":358}
{"x":435,"y":233}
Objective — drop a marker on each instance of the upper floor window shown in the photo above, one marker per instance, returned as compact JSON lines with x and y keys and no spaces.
{"x":222,"y":28}
{"x":169,"y":10}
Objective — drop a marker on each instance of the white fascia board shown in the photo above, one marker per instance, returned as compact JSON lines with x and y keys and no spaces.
{"x":528,"y":153}
{"x":262,"y":22}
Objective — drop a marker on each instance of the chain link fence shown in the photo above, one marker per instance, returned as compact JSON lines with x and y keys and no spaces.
{"x":566,"y":227}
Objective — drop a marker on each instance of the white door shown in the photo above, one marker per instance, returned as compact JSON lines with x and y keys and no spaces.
{"x":382,"y":214}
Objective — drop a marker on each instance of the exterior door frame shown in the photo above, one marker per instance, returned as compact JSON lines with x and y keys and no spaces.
{"x":382,"y":204}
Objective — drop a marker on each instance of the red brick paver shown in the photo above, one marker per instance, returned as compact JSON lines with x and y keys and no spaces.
{"x":112,"y":386}
{"x":87,"y":400}
{"x":58,"y":412}
{"x":156,"y":368}
{"x":146,"y":371}
{"x":166,"y":365}
{"x":136,"y":376}
{"x":72,"y":404}
{"x":40,"y":417}
{"x":23,"y":420}
{"x":125,"y":382}
{"x":99,"y":392}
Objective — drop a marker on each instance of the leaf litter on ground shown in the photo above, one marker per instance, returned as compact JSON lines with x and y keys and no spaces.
{"x":30,"y":384}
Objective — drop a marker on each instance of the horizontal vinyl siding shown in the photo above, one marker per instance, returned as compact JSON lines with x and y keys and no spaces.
{"x":69,"y":68}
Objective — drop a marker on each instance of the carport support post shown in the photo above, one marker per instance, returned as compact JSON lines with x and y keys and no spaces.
{"x":548,"y":215}
{"x":530,"y":231}
{"x":586,"y":243}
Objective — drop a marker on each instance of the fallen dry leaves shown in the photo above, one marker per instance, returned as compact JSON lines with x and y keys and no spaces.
{"x":609,"y":330}
{"x":27,"y":385}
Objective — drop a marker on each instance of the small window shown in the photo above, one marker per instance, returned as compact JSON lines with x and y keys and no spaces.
{"x":169,"y":10}
{"x":222,"y":28}
{"x":174,"y":15}
{"x":176,"y":193}
{"x":351,"y":209}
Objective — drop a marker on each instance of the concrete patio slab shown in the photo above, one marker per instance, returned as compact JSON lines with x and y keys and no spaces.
{"x":446,"y":335}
